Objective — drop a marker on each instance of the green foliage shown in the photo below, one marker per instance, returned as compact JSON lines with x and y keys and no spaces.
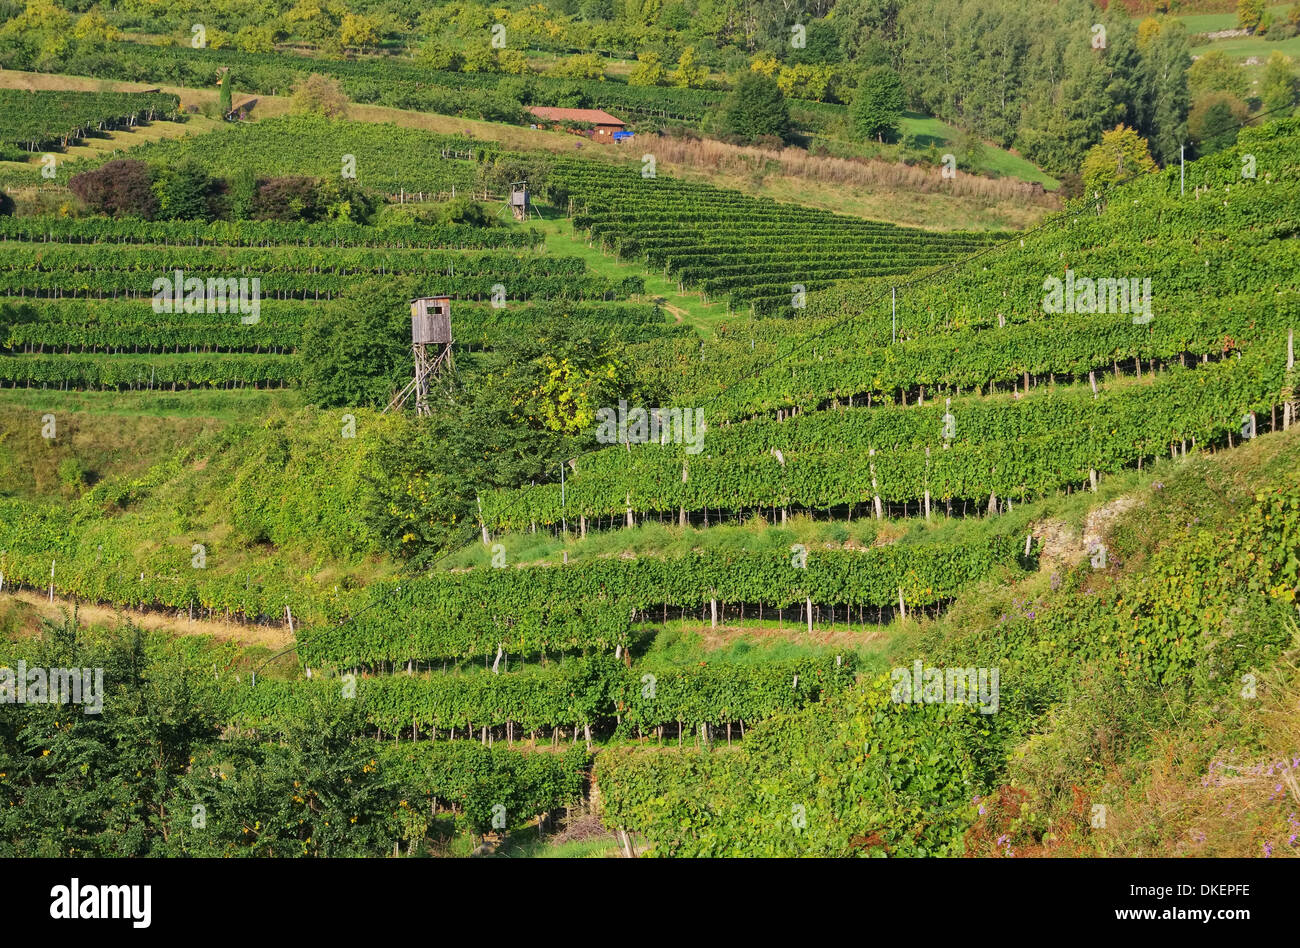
{"x":756,"y":109}
{"x":1280,"y":84}
{"x":320,"y":95}
{"x":39,"y":120}
{"x":878,"y":104}
{"x":184,"y":192}
{"x":1215,"y":120}
{"x":78,"y":784}
{"x":388,"y":158}
{"x":1121,"y":155}
{"x":319,"y":791}
{"x":593,"y":604}
{"x":356,"y":350}
{"x":1216,"y":72}
{"x":864,"y":775}
{"x":904,"y":777}
{"x":1250,"y":13}
{"x":595,"y":690}
{"x":753,"y":250}
{"x":226,"y":80}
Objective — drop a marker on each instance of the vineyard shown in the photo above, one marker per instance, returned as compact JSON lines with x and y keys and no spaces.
{"x":387,"y":158}
{"x":77,"y":296}
{"x":906,"y":458}
{"x":40,"y":120}
{"x":404,"y":84}
{"x":755,"y":252}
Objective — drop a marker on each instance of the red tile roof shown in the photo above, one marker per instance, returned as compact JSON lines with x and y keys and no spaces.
{"x":594,"y":116}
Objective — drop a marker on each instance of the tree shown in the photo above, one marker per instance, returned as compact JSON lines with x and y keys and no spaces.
{"x":227,"y":83}
{"x":1121,"y":155}
{"x":512,"y":62}
{"x":584,"y":66}
{"x":316,"y":21}
{"x":597,"y":10}
{"x":93,"y":31}
{"x":1161,"y":96}
{"x":1148,"y":30}
{"x":648,"y":71}
{"x":435,"y":54}
{"x":356,"y":349}
{"x":806,"y":81}
{"x":6,"y":205}
{"x":1215,"y":120}
{"x":359,"y":31}
{"x":1215,"y":72}
{"x":821,"y":44}
{"x":103,"y":784}
{"x":1250,"y":12}
{"x":756,"y":109}
{"x":689,"y":74}
{"x":255,"y":39}
{"x":183,"y":191}
{"x":342,"y":199}
{"x":320,"y":95}
{"x":878,"y":104}
{"x":121,"y":188}
{"x":1279,"y":87}
{"x":287,"y":198}
{"x":318,"y":792}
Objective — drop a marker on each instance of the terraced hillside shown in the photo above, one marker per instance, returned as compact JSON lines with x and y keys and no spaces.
{"x":36,"y":120}
{"x":498,"y":572}
{"x":78,"y":296}
{"x":761,"y":255}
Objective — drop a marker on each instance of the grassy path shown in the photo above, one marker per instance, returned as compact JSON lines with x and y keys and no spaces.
{"x":683,"y":306}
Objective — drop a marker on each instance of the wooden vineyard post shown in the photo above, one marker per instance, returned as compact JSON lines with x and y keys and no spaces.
{"x":875,"y":491}
{"x":1288,"y":390}
{"x":810,"y":615}
{"x":902,"y":608}
{"x":681,"y":509}
{"x":927,"y":482}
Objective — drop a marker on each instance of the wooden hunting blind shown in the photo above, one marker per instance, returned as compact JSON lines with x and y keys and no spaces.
{"x":430,"y":327}
{"x":521,"y":202}
{"x":431,"y":320}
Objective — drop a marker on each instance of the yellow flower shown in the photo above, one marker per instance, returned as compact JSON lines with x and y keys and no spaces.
{"x":45,"y":753}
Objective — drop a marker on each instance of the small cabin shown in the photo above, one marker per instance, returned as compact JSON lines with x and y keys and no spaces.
{"x":603,"y":125}
{"x":431,"y":321}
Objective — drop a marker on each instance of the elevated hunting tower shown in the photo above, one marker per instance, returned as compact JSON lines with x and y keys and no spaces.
{"x":521,"y":203}
{"x":431,"y":345}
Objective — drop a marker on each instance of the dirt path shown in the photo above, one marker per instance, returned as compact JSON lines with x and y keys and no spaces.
{"x":270,"y":636}
{"x":679,"y":314}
